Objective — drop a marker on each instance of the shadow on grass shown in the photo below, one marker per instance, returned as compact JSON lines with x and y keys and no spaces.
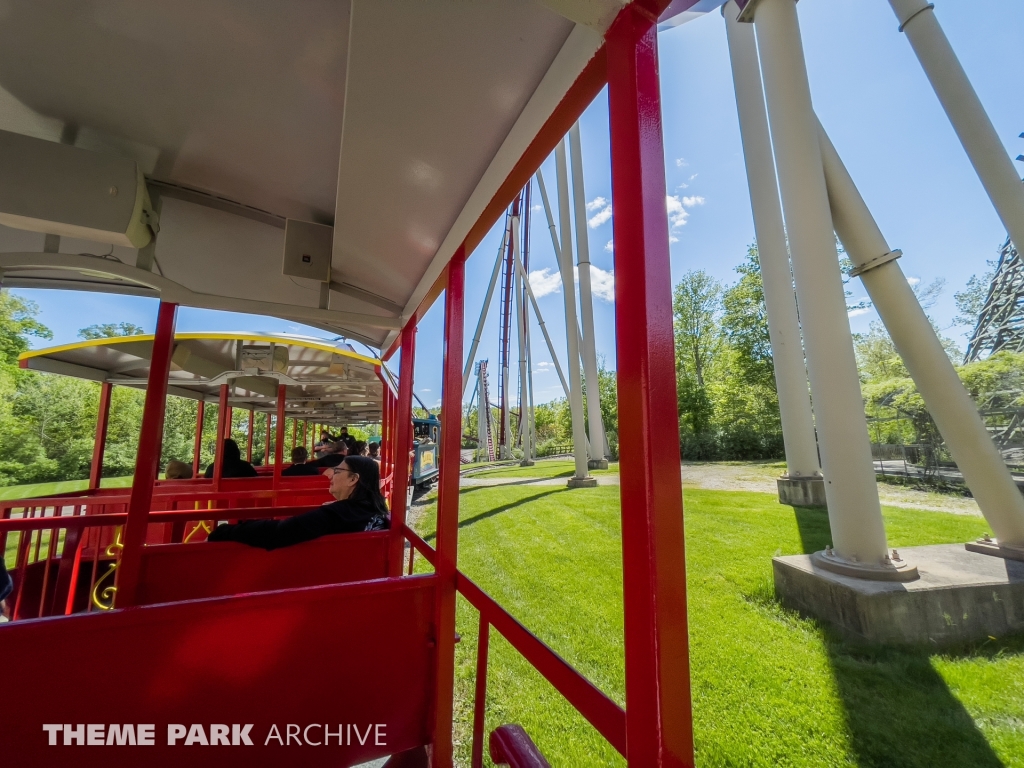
{"x":899,"y":710}
{"x":497,"y":510}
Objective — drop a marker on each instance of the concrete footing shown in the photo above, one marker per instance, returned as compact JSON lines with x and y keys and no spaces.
{"x":597,"y":464}
{"x":801,"y":491}
{"x":582,"y":482}
{"x":961,"y":596}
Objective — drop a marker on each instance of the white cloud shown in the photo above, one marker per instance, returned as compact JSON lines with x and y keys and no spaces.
{"x":694,"y":176}
{"x":681,"y":162}
{"x":545,"y":282}
{"x":913,"y":280}
{"x":536,"y":207}
{"x":596,"y":204}
{"x":603,"y":283}
{"x":610,"y":246}
{"x":600,"y":217}
{"x":858,"y":311}
{"x":677,"y":213}
{"x":426,"y":390}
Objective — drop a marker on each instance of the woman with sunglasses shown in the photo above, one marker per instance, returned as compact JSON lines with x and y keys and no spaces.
{"x":359,"y":506}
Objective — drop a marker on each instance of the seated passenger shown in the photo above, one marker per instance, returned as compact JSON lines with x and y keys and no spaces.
{"x":359,"y":507}
{"x":323,"y":447}
{"x":234,"y":464}
{"x":359,"y":449}
{"x":299,"y":465}
{"x":374,"y":451}
{"x":336,"y":454}
{"x":6,"y":587}
{"x":178,"y":470}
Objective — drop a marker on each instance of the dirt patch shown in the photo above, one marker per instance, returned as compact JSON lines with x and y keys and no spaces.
{"x":760,"y":477}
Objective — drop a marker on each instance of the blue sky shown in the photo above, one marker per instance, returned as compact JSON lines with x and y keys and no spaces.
{"x":871,"y":96}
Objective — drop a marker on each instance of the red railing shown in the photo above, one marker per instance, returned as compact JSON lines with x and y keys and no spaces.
{"x":87,"y":535}
{"x":607,"y":717}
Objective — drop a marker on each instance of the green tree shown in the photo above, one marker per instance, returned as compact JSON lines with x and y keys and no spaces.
{"x":697,"y":304}
{"x":745,"y":323}
{"x":110,"y":330}
{"x":17,"y":323}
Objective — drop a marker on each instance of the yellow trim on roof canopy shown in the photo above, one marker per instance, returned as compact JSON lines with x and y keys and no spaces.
{"x":284,"y":340}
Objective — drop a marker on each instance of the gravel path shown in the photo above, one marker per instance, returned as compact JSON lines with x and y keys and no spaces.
{"x":759,"y":477}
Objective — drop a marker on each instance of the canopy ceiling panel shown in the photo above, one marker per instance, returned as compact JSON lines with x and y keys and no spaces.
{"x":395,"y":121}
{"x":330,"y":383}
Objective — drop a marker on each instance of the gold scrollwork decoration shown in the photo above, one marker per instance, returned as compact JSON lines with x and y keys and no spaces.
{"x":103,"y":597}
{"x":204,"y":525}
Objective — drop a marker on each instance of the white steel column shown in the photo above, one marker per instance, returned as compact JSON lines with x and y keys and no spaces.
{"x":965,"y":112}
{"x":543,"y":328}
{"x":773,"y":255}
{"x":945,"y":396}
{"x":524,"y":393}
{"x":855,"y":515}
{"x":598,"y":444}
{"x":579,"y":435}
{"x":483,"y":313}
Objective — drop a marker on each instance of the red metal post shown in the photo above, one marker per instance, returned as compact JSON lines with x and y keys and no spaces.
{"x":228,"y":423}
{"x":266,"y":445}
{"x":448,"y":504}
{"x":102,"y":419}
{"x":147,"y":461}
{"x":659,"y":724}
{"x":197,"y":448}
{"x":403,"y":444}
{"x":279,"y":428}
{"x":480,"y":700}
{"x":248,"y":446}
{"x":218,"y":456}
{"x":295,"y":433}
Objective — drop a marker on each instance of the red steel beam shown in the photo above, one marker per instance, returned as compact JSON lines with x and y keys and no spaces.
{"x":102,"y":419}
{"x":218,"y":456}
{"x":659,"y":724}
{"x":266,"y":444}
{"x":403,"y":443}
{"x":248,"y":444}
{"x":147,"y":461}
{"x":279,"y":430}
{"x":448,"y":506}
{"x":197,"y":448}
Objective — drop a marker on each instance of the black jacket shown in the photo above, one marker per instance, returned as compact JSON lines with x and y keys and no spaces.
{"x":233,"y":469}
{"x":347,"y":516}
{"x":297,"y":470}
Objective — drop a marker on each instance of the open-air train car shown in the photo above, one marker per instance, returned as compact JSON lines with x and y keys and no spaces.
{"x":333,"y":163}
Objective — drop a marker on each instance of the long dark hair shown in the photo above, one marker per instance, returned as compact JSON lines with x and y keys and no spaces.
{"x":368,"y":488}
{"x":232,"y":453}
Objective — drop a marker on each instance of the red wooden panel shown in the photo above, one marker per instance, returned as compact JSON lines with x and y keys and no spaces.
{"x":353,"y":654}
{"x":173,"y":572}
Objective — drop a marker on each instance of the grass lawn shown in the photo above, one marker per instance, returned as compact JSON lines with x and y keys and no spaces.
{"x":545,"y":469}
{"x":41,"y":490}
{"x":769,"y":688}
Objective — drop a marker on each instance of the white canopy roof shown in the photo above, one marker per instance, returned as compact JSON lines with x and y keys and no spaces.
{"x":395,"y":121}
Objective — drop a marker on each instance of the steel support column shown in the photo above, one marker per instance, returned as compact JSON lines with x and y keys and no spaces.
{"x":598,"y":443}
{"x":147,"y":461}
{"x":98,"y":448}
{"x":854,"y":512}
{"x":448,"y":506}
{"x":266,"y":444}
{"x":579,"y":431}
{"x":218,"y":455}
{"x":659,"y":726}
{"x":248,"y":444}
{"x":279,"y":433}
{"x":965,"y":112}
{"x":402,"y":446}
{"x":198,"y":445}
{"x":783,"y":324}
{"x":945,"y":396}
